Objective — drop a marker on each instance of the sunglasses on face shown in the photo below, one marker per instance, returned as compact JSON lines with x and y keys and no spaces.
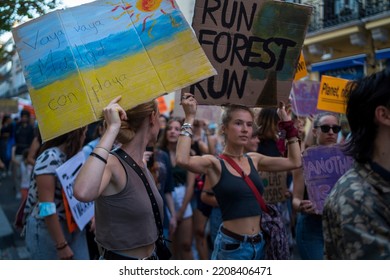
{"x":325,"y":128}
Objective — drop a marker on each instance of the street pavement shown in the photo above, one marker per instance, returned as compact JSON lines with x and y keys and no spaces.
{"x":12,"y":245}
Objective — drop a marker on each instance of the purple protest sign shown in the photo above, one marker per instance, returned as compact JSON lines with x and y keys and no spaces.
{"x":322,"y":167}
{"x":304,"y":97}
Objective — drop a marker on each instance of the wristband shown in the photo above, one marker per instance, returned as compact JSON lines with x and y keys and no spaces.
{"x":185,"y":133}
{"x":46,"y":209}
{"x":288,"y":126}
{"x":186,"y":126}
{"x":98,"y":157}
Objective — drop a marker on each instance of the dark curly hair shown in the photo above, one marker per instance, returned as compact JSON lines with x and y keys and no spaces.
{"x":363,"y":97}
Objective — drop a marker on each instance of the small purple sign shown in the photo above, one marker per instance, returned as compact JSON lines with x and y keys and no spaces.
{"x":322,"y":167}
{"x":304,"y":97}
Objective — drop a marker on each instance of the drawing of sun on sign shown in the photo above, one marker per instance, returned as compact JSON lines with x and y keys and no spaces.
{"x":77,"y":60}
{"x":146,"y":13}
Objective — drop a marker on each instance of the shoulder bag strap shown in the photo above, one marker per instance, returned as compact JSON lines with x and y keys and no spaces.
{"x":247,"y":180}
{"x":157,"y":216}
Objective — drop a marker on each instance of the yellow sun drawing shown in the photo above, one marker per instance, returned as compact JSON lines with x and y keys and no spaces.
{"x":146,"y":8}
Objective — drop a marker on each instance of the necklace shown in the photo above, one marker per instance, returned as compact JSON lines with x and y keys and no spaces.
{"x":232,"y":155}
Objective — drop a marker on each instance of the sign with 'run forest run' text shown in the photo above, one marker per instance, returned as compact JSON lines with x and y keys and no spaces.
{"x":254,"y":45}
{"x":77,"y":60}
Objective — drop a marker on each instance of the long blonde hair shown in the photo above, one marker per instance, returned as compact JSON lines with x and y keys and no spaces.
{"x":135,"y":118}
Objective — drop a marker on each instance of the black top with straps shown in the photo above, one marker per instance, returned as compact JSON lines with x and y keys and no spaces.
{"x":234,"y":196}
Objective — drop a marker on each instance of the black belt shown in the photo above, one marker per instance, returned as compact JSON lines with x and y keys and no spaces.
{"x":110,"y":255}
{"x":251,"y":239}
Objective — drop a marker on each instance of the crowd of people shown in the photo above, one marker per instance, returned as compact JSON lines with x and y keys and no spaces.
{"x":144,"y":170}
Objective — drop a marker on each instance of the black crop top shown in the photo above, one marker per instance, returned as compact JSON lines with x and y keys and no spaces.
{"x":235,"y":197}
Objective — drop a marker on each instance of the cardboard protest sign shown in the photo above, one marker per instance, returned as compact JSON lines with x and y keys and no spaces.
{"x":275,"y":186}
{"x":9,"y":106}
{"x":254,"y":45}
{"x":322,"y":167}
{"x":301,"y":68}
{"x":203,"y":112}
{"x":331,"y":95}
{"x":82,"y":212}
{"x":77,"y":60}
{"x":304,"y":98}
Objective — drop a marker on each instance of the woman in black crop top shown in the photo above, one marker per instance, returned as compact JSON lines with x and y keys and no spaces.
{"x":240,"y":235}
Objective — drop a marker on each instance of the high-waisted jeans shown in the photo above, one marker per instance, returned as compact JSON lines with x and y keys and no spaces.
{"x":228,"y":248}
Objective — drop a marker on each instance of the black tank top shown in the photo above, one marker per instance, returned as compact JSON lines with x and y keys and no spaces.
{"x":235,"y":197}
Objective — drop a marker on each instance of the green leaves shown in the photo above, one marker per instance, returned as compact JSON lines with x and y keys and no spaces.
{"x":13,"y":11}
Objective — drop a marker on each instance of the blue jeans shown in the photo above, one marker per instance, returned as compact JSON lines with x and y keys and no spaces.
{"x":42,"y":247}
{"x":309,"y":238}
{"x":228,"y":248}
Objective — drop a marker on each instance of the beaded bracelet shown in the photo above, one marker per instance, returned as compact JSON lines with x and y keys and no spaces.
{"x":62,"y":245}
{"x":98,"y":157}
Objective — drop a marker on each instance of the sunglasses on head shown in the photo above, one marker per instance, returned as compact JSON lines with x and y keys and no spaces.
{"x":325,"y":128}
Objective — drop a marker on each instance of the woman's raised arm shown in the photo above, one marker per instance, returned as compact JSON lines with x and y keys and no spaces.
{"x":95,"y":175}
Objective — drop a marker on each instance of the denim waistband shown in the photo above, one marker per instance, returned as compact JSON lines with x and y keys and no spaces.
{"x":243,"y":238}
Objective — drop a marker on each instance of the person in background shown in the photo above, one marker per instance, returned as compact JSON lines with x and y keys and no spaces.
{"x":6,"y":142}
{"x":273,"y":144}
{"x":126,"y":228}
{"x":158,"y":163}
{"x":182,"y":194}
{"x":253,"y":141}
{"x":201,"y":211}
{"x":24,"y":135}
{"x":47,"y":235}
{"x":163,"y":121}
{"x":240,"y":235}
{"x":308,"y":227}
{"x":96,"y":133}
{"x":356,"y":216}
{"x":34,"y":147}
{"x":25,"y":171}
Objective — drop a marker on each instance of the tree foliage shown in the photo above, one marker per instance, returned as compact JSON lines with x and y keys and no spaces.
{"x":12,"y":11}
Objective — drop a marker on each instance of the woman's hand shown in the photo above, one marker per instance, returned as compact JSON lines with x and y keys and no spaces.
{"x":172,"y":224}
{"x":179,"y":215}
{"x":114,"y":114}
{"x":306,"y":206}
{"x":189,"y":104}
{"x":65,"y":253}
{"x":281,"y":111}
